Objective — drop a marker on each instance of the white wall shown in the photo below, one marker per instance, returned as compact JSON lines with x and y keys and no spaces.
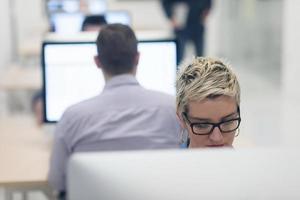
{"x":213,"y":23}
{"x":291,"y":42}
{"x":291,"y":73}
{"x":5,"y":32}
{"x":31,"y":23}
{"x":5,"y":46}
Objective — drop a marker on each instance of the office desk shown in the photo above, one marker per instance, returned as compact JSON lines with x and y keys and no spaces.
{"x":24,"y":154}
{"x":21,"y":78}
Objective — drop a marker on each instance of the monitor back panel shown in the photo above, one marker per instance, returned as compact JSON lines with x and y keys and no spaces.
{"x":193,"y":175}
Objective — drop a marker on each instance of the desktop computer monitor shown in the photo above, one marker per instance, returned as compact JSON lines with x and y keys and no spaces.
{"x":97,"y":6}
{"x":118,"y":16}
{"x":66,"y":23}
{"x":185,"y":174}
{"x":70,"y":6}
{"x":54,"y":6}
{"x":71,"y":23}
{"x":70,"y":75}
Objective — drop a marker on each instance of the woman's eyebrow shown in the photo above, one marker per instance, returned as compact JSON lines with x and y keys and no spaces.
{"x":208,"y":120}
{"x":199,"y":119}
{"x":230,"y":115}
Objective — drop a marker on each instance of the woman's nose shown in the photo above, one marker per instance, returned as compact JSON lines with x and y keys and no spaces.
{"x":216,"y":136}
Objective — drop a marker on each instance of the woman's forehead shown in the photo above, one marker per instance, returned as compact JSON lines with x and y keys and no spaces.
{"x":212,"y":107}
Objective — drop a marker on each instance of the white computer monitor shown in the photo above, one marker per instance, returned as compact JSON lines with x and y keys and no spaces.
{"x":97,"y":6}
{"x":70,"y":6}
{"x":71,"y":22}
{"x":118,"y":16}
{"x":54,"y":6}
{"x":66,"y":23}
{"x":70,"y":74}
{"x":264,"y":174}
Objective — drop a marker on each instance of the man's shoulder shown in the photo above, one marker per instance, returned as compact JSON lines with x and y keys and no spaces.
{"x":158,"y":93}
{"x":82,"y":107}
{"x":159,"y":97}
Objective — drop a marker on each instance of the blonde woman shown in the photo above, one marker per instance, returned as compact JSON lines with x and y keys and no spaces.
{"x":208,"y":103}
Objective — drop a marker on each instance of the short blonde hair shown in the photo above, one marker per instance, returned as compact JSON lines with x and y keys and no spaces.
{"x":205,"y":78}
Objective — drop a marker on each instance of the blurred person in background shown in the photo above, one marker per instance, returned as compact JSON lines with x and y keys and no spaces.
{"x":194,"y":27}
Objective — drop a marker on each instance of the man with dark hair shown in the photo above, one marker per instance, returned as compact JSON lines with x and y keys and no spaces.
{"x":125,"y":116}
{"x":117,"y":50}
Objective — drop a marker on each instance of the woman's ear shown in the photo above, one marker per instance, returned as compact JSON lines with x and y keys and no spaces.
{"x":181,"y":120}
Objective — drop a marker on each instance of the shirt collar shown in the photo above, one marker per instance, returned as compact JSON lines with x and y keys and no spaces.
{"x":120,"y":80}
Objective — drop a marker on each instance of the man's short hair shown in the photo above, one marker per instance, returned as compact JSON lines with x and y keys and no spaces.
{"x":205,"y":78}
{"x":117,"y":48}
{"x":93,"y":20}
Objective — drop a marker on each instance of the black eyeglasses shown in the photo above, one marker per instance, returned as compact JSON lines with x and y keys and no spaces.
{"x":206,"y":128}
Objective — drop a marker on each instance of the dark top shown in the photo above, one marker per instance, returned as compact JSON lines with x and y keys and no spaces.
{"x":196,"y":9}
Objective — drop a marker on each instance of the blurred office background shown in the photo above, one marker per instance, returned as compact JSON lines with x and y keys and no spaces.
{"x":260,"y":38}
